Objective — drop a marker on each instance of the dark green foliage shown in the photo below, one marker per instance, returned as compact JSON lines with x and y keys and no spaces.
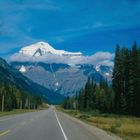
{"x":126,"y":80}
{"x":70,"y":103}
{"x":104,"y":97}
{"x":116,"y":82}
{"x":92,"y":97}
{"x":15,"y":98}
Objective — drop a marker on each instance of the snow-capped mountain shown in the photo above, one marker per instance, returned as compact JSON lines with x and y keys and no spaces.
{"x":61,"y":71}
{"x":43,"y":52}
{"x":43,"y":48}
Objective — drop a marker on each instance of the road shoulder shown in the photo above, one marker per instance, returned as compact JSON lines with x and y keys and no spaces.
{"x":101,"y":134}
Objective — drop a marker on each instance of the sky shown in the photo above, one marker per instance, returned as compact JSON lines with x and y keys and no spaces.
{"x":88,"y":26}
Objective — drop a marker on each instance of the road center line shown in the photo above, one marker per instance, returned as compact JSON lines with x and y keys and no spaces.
{"x":5,"y":132}
{"x":65,"y":137}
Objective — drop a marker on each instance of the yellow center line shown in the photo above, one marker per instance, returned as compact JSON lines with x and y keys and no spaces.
{"x":5,"y":132}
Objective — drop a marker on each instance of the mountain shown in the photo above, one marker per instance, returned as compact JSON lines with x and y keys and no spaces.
{"x":12,"y":76}
{"x":43,"y":48}
{"x":60,"y":71}
{"x":61,"y":78}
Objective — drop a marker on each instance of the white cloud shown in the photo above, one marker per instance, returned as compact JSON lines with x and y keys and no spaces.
{"x":23,"y":5}
{"x":106,"y":63}
{"x":102,"y":58}
{"x":95,"y":25}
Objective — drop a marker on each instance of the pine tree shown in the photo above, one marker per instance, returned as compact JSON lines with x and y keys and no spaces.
{"x":87,"y":94}
{"x":124,"y":80}
{"x":132,"y":79}
{"x":137,"y":91}
{"x":116,"y":82}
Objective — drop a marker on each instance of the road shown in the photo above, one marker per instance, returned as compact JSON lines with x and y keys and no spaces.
{"x":48,"y":125}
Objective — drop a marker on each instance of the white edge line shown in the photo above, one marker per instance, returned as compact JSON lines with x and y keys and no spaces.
{"x":65,"y":137}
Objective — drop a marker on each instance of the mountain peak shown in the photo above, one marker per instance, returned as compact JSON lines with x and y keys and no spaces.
{"x":44,"y":45}
{"x":22,"y":69}
{"x":43,"y":48}
{"x":31,"y":50}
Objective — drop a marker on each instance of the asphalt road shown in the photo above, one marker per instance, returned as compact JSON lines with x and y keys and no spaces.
{"x":48,"y":125}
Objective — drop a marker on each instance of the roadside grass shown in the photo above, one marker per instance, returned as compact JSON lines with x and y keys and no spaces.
{"x":15,"y":111}
{"x":20,"y":111}
{"x":126,"y":127}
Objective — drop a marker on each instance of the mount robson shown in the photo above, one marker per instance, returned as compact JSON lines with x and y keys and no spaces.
{"x":60,"y":73}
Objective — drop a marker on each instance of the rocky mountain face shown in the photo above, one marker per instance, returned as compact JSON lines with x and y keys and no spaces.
{"x":62,"y":78}
{"x":58,"y":70}
{"x":12,"y":76}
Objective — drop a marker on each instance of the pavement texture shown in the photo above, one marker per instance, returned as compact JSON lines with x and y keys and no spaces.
{"x":49,"y":125}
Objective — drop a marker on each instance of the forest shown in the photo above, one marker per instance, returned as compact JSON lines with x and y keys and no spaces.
{"x":122,"y":96}
{"x":12,"y":97}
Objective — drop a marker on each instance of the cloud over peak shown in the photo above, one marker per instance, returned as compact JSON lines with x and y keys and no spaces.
{"x":102,"y":58}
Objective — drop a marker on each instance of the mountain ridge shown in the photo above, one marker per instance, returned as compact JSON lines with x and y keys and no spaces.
{"x":42,"y":48}
{"x":13,"y":76}
{"x":63,"y":77}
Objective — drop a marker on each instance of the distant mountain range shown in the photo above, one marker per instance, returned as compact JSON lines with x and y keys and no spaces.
{"x":61,"y":71}
{"x":12,"y":76}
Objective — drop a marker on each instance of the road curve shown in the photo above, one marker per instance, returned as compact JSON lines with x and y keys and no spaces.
{"x":48,"y":125}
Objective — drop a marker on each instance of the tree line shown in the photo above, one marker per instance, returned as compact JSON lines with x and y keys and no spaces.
{"x":12,"y":97}
{"x":92,"y":97}
{"x":126,"y":80}
{"x":122,"y":96}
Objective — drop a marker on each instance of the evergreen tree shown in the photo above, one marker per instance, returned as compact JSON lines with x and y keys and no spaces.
{"x":132,"y":78}
{"x":138,"y":85}
{"x":116,"y":82}
{"x":87,"y":94}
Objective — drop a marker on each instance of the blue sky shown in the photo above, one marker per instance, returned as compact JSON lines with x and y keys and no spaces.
{"x":88,"y":26}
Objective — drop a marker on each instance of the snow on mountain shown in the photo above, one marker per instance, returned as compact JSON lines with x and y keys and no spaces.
{"x":22,"y":69}
{"x":42,"y":48}
{"x":97,"y":67}
{"x":105,"y":71}
{"x":107,"y":74}
{"x":43,"y":52}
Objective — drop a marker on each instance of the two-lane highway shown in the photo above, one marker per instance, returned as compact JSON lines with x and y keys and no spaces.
{"x":48,"y":125}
